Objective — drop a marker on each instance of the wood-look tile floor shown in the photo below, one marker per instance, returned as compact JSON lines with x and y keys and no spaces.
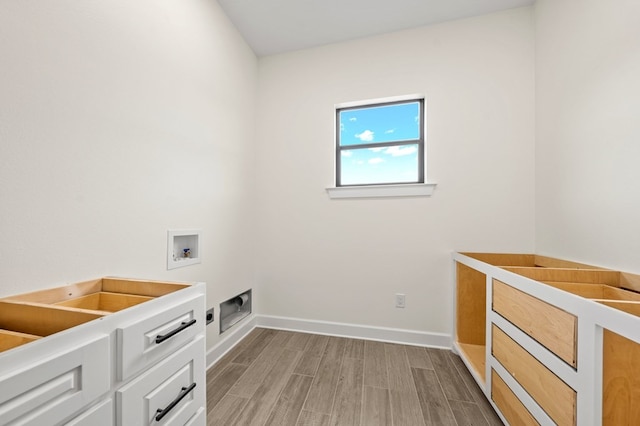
{"x":275,"y":377}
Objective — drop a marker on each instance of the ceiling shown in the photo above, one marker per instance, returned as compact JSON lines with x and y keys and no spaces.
{"x":276,"y":26}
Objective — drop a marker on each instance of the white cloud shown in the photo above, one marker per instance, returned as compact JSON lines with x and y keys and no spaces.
{"x":366,"y":136}
{"x":353,"y":119}
{"x":389,"y":131}
{"x":376,"y":160}
{"x":398,"y":151}
{"x":377,"y":149}
{"x":359,"y":162}
{"x":346,"y":153}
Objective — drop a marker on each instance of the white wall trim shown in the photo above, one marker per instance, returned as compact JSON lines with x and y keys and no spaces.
{"x":372,"y":191}
{"x":380,"y":334}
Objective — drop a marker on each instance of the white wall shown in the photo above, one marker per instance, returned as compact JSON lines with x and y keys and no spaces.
{"x":120,"y":120}
{"x":588,"y":131}
{"x":343,"y":260}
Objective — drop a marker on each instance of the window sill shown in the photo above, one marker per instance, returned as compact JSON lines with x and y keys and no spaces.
{"x":376,"y":191}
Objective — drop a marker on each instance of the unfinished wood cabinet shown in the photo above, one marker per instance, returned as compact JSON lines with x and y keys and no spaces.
{"x":60,"y":350}
{"x":552,"y":341}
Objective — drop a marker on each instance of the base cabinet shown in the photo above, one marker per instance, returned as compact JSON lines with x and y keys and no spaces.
{"x":123,"y":359}
{"x":550,"y":341}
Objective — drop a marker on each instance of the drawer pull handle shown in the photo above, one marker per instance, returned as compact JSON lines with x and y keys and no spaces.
{"x":183,"y":392}
{"x":162,"y":337}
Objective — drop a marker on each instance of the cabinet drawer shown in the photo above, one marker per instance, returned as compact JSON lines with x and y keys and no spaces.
{"x":46,"y":392}
{"x":510,"y":406}
{"x":553,"y":395}
{"x":145,"y":341}
{"x":552,"y":327}
{"x":100,"y":415}
{"x":169,"y":393}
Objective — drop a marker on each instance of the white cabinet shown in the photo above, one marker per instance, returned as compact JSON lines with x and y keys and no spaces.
{"x":169,"y":393}
{"x":132,"y":352}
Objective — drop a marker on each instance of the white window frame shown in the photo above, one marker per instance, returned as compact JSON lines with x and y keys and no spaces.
{"x":421,"y":188}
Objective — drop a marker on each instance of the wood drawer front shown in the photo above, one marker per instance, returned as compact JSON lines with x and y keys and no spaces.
{"x":510,"y":406}
{"x":552,"y":327}
{"x":555,"y":397}
{"x":138,"y":402}
{"x":46,"y":392}
{"x":100,"y":415}
{"x":137,"y":347}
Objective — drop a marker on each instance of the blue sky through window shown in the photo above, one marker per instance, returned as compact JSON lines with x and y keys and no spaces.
{"x":380,"y":124}
{"x":374,"y":125}
{"x":392,"y":164}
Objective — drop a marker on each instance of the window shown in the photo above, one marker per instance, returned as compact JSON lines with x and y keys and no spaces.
{"x":380,"y":143}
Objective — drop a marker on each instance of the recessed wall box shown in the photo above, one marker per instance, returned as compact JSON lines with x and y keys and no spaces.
{"x":183,"y":248}
{"x":234,"y":310}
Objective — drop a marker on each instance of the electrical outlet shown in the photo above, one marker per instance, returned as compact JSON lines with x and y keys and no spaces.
{"x":400,"y":300}
{"x":209,"y":316}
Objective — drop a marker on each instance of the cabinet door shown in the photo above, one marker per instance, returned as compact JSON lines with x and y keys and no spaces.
{"x":157,"y":334}
{"x":45,"y":392}
{"x":169,"y":393}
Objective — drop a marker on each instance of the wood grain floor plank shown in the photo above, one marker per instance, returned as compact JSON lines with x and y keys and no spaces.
{"x":348,"y":401}
{"x":405,"y":408}
{"x":450,"y":380}
{"x":419,"y":357}
{"x":434,"y":404}
{"x":227,"y":358}
{"x":354,"y":349}
{"x":221,"y":384}
{"x":310,"y":418}
{"x":298,"y":341}
{"x":342,"y":382}
{"x":467,"y":414}
{"x":308,"y":364}
{"x":323,"y":388}
{"x":257,"y":410}
{"x":289,"y":405}
{"x":376,"y":407}
{"x":247,"y":385}
{"x":252,"y":350}
{"x":477,"y":394}
{"x":226,"y":411}
{"x":375,"y":365}
{"x":398,"y":369}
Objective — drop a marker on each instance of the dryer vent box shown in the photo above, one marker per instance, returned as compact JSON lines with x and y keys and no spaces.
{"x":234,"y":310}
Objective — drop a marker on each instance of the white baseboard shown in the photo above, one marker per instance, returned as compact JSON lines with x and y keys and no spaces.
{"x":380,"y":334}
